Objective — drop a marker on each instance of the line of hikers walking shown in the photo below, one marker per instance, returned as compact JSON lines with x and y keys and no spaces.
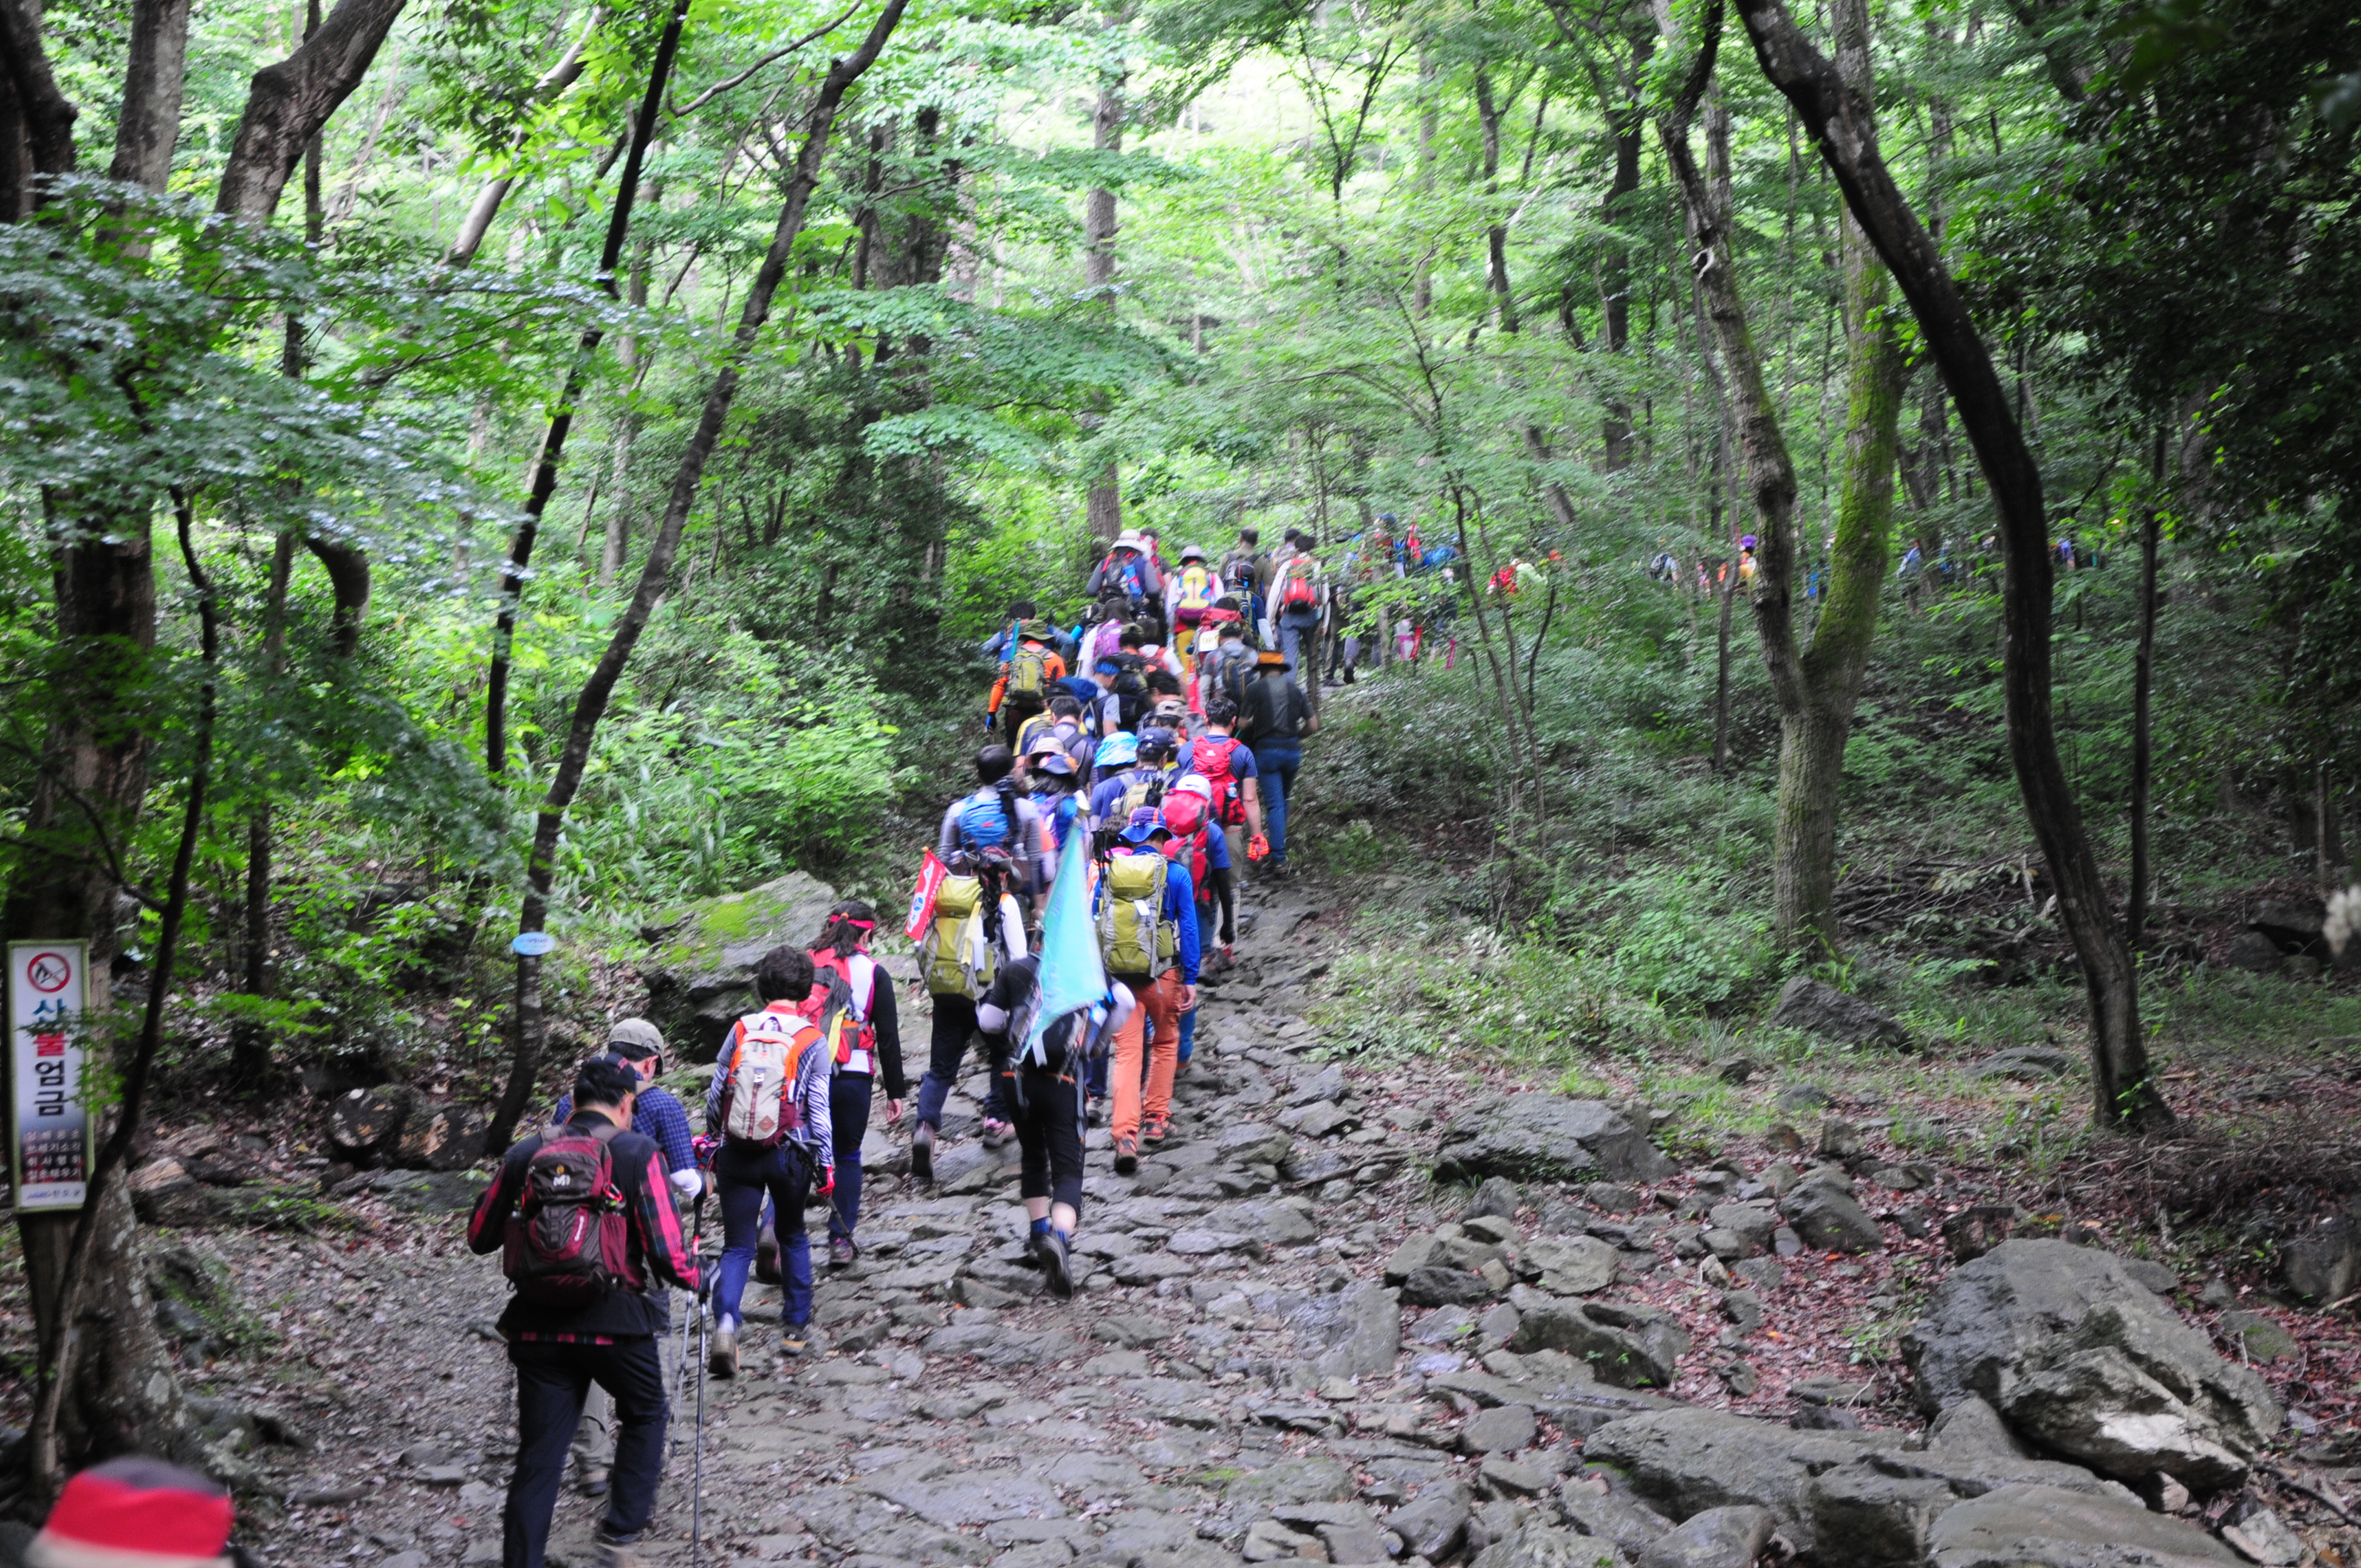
{"x":1064,"y":917}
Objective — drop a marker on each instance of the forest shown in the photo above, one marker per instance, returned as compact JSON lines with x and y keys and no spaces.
{"x":1845,"y":506}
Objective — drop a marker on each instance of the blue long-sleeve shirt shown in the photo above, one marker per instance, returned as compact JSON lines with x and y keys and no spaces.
{"x":1180,"y":908}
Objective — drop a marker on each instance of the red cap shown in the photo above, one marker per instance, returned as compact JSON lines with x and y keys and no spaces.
{"x":134,"y":1513}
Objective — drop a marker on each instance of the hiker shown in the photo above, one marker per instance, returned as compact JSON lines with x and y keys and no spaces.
{"x":868,"y":1043}
{"x":1058,"y":797}
{"x":1241,"y":567}
{"x":1116,"y":752}
{"x":1142,"y":783}
{"x":1194,"y":842}
{"x":1128,"y":572}
{"x":1187,"y":594}
{"x":992,"y":830}
{"x":1122,"y":697}
{"x":1062,"y":724}
{"x":1228,"y":764}
{"x":1027,"y":676}
{"x":570,"y":1322}
{"x":656,"y":1112}
{"x":1045,"y":1085}
{"x":770,"y":1105}
{"x":1274,"y":720}
{"x":997,"y":646}
{"x":137,"y":1512}
{"x":1227,"y":670}
{"x":1147,"y":912}
{"x":1298,"y":602}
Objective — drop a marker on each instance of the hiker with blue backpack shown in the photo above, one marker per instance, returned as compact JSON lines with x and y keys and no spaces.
{"x":1129,"y":572}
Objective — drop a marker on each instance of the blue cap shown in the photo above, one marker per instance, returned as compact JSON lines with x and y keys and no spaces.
{"x":1116,"y":749}
{"x":1057,"y":763}
{"x":1107,"y":667}
{"x":1146,"y":823}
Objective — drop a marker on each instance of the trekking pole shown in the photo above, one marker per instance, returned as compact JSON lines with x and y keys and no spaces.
{"x":697,"y":1480}
{"x":696,"y":1305}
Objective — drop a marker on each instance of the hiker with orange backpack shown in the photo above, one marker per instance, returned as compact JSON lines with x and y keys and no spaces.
{"x":854,"y":994}
{"x":770,"y":1104}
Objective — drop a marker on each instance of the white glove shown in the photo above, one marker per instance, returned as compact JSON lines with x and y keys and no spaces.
{"x":992,"y":1020}
{"x":688,"y":1183}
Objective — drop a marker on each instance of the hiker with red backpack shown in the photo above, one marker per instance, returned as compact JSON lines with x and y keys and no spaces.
{"x":849,"y":984}
{"x":1228,"y":764}
{"x":1297,"y":605}
{"x":583,"y":1217}
{"x":770,"y":1105}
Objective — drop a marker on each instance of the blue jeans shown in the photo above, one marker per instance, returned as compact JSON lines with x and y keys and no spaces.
{"x":1188,"y":1036}
{"x":1293,"y":626}
{"x":1275,"y":762}
{"x":848,"y":1104}
{"x":746,"y":1175}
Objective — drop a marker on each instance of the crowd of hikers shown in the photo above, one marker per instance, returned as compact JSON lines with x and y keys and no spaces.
{"x":1136,"y":775}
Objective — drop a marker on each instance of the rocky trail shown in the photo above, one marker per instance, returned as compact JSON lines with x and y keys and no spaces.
{"x":1398,"y":1312}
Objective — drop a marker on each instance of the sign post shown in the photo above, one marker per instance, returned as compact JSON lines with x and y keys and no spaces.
{"x":48,"y":1146}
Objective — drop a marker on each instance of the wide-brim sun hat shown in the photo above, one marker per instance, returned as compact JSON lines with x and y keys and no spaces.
{"x":1120,"y":747}
{"x":1146,"y":823}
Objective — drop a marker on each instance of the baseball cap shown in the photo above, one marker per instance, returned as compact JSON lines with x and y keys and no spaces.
{"x":1193,"y":553}
{"x":1058,"y":762}
{"x":1194,"y":784}
{"x":1120,"y":747}
{"x":636,"y":1039}
{"x":1146,"y":823}
{"x":1159,"y":741}
{"x":1043,"y":744}
{"x":1271,"y":658}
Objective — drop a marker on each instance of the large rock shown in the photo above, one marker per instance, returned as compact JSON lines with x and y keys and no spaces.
{"x":1987,"y":1315}
{"x":701,"y":975}
{"x":1878,"y":1511}
{"x":2130,"y":1392}
{"x":365,"y":1126}
{"x":1546,"y":1137}
{"x":1828,"y":1220}
{"x":1624,"y":1343}
{"x":2043,"y":1527}
{"x":1574,"y":1267}
{"x":2324,"y":1264}
{"x":1821,"y":1009}
{"x":2293,"y":924}
{"x":1682,"y":1463}
{"x":440,"y":1138}
{"x":1358,"y":1331}
{"x":1717,"y":1538}
{"x":1533,"y":1544}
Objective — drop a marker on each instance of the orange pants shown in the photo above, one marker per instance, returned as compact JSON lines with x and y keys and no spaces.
{"x":1158,"y":999}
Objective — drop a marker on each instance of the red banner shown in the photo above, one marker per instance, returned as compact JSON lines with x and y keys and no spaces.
{"x":922,"y":897}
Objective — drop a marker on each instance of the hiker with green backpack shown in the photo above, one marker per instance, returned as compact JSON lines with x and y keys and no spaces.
{"x":1028,"y":676}
{"x":1146,"y":913}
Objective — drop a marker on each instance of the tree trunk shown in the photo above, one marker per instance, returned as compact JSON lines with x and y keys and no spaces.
{"x":590,"y":706}
{"x":1496,"y":235}
{"x":476,"y":221}
{"x":561,"y":414}
{"x":2135,"y":898}
{"x":153,"y":75}
{"x":288,"y":102}
{"x":1845,"y":131}
{"x":1103,"y":509}
{"x":616,"y":541}
{"x":1429,"y":123}
{"x":1627,"y":124}
{"x":39,"y":117}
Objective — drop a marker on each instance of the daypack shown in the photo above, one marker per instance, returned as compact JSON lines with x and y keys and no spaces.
{"x":568,"y":1244}
{"x":1134,"y":937}
{"x":983,"y":824}
{"x":956,"y":954}
{"x":1297,"y":590}
{"x":762,"y":1072}
{"x":1238,"y":569}
{"x":1128,"y":576}
{"x":1033,"y":726}
{"x":1213,"y":756}
{"x":1187,"y":817}
{"x":1028,"y":672}
{"x":1130,"y":695}
{"x":1138,"y":792}
{"x":1196,"y":593}
{"x":839,"y":1003}
{"x":1227,"y":670}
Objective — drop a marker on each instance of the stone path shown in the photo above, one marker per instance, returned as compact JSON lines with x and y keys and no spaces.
{"x":1289,"y":1343}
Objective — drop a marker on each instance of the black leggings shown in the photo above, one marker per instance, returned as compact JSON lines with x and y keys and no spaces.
{"x":1049,"y":1117}
{"x":1225,"y":892}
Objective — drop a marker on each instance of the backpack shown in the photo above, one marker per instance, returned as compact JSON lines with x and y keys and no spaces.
{"x":1138,"y":792}
{"x":1128,"y":575}
{"x":1297,"y":590}
{"x":1213,"y":756}
{"x":1028,"y":672}
{"x":1134,"y":936}
{"x":837,"y":1003}
{"x":983,"y":824}
{"x":1131,"y":695}
{"x":1196,"y":593}
{"x":761,"y":1082}
{"x":568,"y":1244}
{"x":956,"y":956}
{"x":1227,"y":672}
{"x":1238,"y":569}
{"x":1033,"y":725}
{"x":1190,"y":819}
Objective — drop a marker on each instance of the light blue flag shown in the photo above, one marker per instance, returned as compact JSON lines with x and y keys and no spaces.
{"x":1070,"y":974}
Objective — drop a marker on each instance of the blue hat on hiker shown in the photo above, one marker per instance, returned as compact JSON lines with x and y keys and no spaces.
{"x":1118,"y":748}
{"x":1146,"y":823}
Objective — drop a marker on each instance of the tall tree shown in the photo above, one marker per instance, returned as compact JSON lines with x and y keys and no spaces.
{"x":1844,"y":130}
{"x":1104,"y":507}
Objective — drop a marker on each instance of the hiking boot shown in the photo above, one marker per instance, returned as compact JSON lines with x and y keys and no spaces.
{"x":767,"y":1258}
{"x":841,"y":1252}
{"x":922,"y":1152}
{"x":996,"y":1133}
{"x":721,"y":1356}
{"x":1056,"y":1264}
{"x":1127,"y":1154}
{"x":593,"y":1482}
{"x":617,"y":1549}
{"x":795,"y":1339}
{"x":1156,"y":1132}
